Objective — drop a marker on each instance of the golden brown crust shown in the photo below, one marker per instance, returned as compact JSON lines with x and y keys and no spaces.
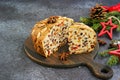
{"x":42,"y":28}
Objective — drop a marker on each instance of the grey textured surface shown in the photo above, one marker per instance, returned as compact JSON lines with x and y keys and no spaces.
{"x":17,"y":17}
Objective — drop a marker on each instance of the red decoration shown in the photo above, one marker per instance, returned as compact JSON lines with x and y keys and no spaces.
{"x":116,"y":52}
{"x":112,"y":8}
{"x":104,"y":31}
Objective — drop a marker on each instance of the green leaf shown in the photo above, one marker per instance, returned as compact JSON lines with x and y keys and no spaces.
{"x":96,"y":26}
{"x":87,"y":21}
{"x":113,"y":13}
{"x":118,"y":29}
{"x":113,"y":60}
{"x":108,"y":27}
{"x":105,"y":53}
{"x":83,"y":19}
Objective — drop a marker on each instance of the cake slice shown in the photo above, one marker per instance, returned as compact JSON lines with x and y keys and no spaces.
{"x":81,"y":38}
{"x":49,"y":34}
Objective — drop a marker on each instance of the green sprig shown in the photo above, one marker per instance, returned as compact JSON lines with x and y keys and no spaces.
{"x":113,"y":60}
{"x":105,"y":53}
{"x":95,"y":23}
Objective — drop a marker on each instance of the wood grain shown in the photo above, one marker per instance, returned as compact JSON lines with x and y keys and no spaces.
{"x":74,"y":60}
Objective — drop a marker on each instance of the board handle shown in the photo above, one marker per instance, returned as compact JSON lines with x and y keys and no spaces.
{"x":99,"y":70}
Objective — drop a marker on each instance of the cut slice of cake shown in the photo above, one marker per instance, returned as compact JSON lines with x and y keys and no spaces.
{"x":49,"y":34}
{"x":81,"y":38}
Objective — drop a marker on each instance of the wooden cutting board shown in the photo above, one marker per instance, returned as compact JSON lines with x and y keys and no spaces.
{"x":99,"y":70}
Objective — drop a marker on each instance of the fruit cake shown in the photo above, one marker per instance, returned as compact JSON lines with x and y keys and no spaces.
{"x":51,"y":33}
{"x":81,"y":38}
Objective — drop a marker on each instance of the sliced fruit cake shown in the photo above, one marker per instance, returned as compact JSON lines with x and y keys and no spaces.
{"x":81,"y":38}
{"x":49,"y":34}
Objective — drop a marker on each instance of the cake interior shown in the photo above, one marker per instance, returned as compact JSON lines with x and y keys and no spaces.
{"x":80,"y":39}
{"x":56,"y":37}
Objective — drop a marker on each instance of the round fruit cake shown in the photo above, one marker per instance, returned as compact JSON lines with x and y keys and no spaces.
{"x":51,"y":33}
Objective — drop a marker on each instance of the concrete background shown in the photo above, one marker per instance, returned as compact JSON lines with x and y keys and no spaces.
{"x":17,"y":17}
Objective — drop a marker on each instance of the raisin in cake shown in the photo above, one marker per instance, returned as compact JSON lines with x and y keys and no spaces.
{"x":49,"y":34}
{"x":82,"y":39}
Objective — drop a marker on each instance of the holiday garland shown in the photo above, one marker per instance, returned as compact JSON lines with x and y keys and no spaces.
{"x":103,"y":19}
{"x":99,"y":14}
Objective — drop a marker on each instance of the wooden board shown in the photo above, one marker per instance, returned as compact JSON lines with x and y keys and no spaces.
{"x":99,"y":70}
